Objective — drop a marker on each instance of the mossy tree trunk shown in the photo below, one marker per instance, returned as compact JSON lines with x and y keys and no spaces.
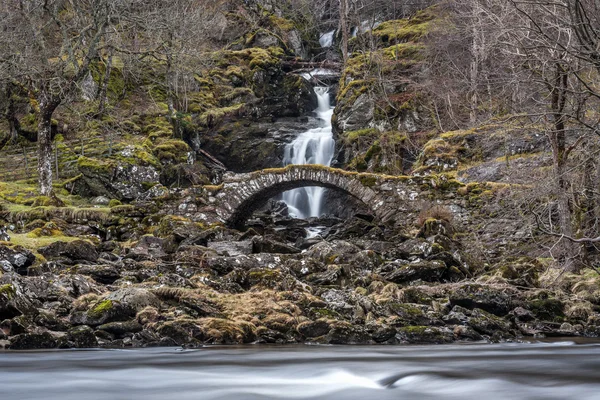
{"x":103,"y":89}
{"x":47,"y":105}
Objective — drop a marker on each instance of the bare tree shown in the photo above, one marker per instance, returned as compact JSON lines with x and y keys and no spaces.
{"x":46,"y":48}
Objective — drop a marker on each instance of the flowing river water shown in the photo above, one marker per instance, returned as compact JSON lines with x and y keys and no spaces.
{"x":540,"y":371}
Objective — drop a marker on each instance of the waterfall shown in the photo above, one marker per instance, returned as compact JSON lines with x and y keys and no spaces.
{"x":315,"y":146}
{"x":326,"y":39}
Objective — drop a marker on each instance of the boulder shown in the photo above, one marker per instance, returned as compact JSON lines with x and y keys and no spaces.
{"x":15,"y":258}
{"x":312,"y":329}
{"x":488,"y":298}
{"x":401,"y":272}
{"x":33,"y":341}
{"x":70,"y":252}
{"x":262,"y":244}
{"x":425,"y":335}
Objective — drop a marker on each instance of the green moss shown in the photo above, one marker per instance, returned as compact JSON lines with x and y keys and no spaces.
{"x":280,"y":23}
{"x":547,"y":308}
{"x":95,"y":165}
{"x":8,"y":291}
{"x":213,"y":116}
{"x":404,"y":30}
{"x":100,"y":309}
{"x":113,"y":203}
{"x":368,"y":180}
{"x":353,"y":136}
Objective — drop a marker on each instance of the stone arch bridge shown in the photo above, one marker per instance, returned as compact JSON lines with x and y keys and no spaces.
{"x":393,"y":199}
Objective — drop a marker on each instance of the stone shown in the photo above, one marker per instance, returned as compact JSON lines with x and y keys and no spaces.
{"x":77,"y":250}
{"x":120,"y":328}
{"x":428,"y":271}
{"x":83,"y":337}
{"x":425,"y":335}
{"x":16,"y":259}
{"x":105,"y":274}
{"x":100,"y":200}
{"x":485,"y":297}
{"x":261,"y":244}
{"x":312,"y":329}
{"x":33,"y":341}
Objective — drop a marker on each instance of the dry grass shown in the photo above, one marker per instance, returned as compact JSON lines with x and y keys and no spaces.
{"x":437,"y":212}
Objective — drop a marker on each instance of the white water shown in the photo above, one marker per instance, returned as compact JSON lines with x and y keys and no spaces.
{"x":315,"y":146}
{"x":326,"y":39}
{"x":318,"y":72}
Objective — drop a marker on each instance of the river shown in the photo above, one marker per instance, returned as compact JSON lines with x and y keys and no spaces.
{"x":540,"y":371}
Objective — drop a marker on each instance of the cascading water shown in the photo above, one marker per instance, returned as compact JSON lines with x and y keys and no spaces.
{"x":315,"y":146}
{"x":326,"y":39}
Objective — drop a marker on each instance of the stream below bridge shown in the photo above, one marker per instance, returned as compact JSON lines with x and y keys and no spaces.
{"x":560,"y":370}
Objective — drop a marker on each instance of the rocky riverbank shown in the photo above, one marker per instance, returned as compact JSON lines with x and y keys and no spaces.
{"x":354,"y":282}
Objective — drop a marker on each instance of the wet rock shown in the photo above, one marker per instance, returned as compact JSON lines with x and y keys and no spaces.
{"x":484,"y":297}
{"x":346,"y":333}
{"x":262,"y":244}
{"x":425,"y":335}
{"x":401,"y":272}
{"x":488,"y":323}
{"x":463,"y":332}
{"x":121,"y":328}
{"x":412,"y":314}
{"x":77,"y":250}
{"x":312,"y":329}
{"x":546,"y":308}
{"x":83,"y":337}
{"x":33,"y":341}
{"x":383,"y":334}
{"x":522,"y":315}
{"x":16,"y":259}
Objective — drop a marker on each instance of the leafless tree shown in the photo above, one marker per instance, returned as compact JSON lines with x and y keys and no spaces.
{"x":46,"y":48}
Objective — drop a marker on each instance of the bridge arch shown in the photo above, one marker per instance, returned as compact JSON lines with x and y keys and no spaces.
{"x":242,"y":194}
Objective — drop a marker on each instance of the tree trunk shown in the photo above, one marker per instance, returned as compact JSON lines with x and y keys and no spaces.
{"x":44,"y":145}
{"x":344,"y":28}
{"x":103,"y":89}
{"x":558,"y":92}
{"x":9,"y":113}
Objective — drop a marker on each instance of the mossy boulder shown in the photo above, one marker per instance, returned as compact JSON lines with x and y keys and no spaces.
{"x":546,"y":308}
{"x":485,"y":297}
{"x":33,"y":341}
{"x":424,"y":335}
{"x":313,"y":329}
{"x":489,"y":324}
{"x":83,"y":337}
{"x":122,"y":180}
{"x":70,"y":252}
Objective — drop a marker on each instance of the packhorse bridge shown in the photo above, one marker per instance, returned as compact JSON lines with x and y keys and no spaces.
{"x":392,"y":199}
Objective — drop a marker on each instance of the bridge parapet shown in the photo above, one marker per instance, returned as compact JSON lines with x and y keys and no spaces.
{"x":389,"y":197}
